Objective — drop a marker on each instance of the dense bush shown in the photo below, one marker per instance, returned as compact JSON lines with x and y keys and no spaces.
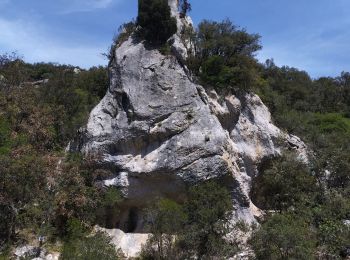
{"x":285,"y":182}
{"x":196,"y":228}
{"x":155,"y":21}
{"x":284,"y":237}
{"x":224,"y":55}
{"x":315,"y":110}
{"x":36,"y":122}
{"x":97,"y":246}
{"x":208,"y":209}
{"x":166,"y":220}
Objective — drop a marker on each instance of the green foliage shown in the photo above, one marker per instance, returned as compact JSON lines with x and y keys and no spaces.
{"x":36,"y":121}
{"x":49,"y":115}
{"x":155,"y":21}
{"x":4,"y":137}
{"x":224,"y":55}
{"x":78,"y":197}
{"x":22,"y":185}
{"x":333,"y":237}
{"x":208,"y":209}
{"x":76,"y":229}
{"x":315,"y":110}
{"x":285,"y":182}
{"x":108,"y":206}
{"x":331,"y":122}
{"x":124,"y":32}
{"x":165,"y":49}
{"x":97,"y":246}
{"x":284,"y":237}
{"x":5,"y":252}
{"x":196,"y":228}
{"x":166,"y":220}
{"x":166,"y":217}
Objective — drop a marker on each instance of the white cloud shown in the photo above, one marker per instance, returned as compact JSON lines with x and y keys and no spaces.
{"x":73,"y":6}
{"x":37,"y":45}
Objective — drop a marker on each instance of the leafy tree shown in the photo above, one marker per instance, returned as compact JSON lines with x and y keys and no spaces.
{"x":284,"y":237}
{"x":108,"y":206}
{"x":22,"y":183}
{"x":155,"y":21}
{"x":224,"y":55}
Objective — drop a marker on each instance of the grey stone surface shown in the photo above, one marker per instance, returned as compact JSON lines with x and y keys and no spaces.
{"x":129,"y":244}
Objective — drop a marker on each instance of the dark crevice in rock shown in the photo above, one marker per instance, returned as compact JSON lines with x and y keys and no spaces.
{"x":202,"y":96}
{"x":125,"y":102}
{"x":196,"y":160}
{"x":132,"y":222}
{"x":141,"y":144}
{"x":182,"y":62}
{"x":111,"y":114}
{"x":161,"y":119}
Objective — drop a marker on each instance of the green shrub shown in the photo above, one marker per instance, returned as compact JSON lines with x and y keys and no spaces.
{"x":5,"y":141}
{"x":76,"y":229}
{"x":283,"y":183}
{"x":124,"y":32}
{"x":196,"y":228}
{"x":333,"y":237}
{"x":331,"y":122}
{"x":93,"y":247}
{"x":208,"y":209}
{"x":165,"y":49}
{"x":155,"y":21}
{"x":284,"y":237}
{"x":166,"y":220}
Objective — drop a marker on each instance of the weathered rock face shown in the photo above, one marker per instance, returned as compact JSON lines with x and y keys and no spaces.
{"x":159,"y":132}
{"x":130,"y":244}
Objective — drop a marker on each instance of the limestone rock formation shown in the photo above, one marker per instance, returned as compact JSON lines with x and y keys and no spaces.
{"x":159,"y":132}
{"x":130,"y":244}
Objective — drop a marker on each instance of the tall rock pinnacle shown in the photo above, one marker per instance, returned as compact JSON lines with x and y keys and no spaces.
{"x":159,"y":132}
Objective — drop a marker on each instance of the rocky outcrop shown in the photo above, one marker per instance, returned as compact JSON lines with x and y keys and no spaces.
{"x":130,"y":244}
{"x":159,"y":132}
{"x":34,"y":253}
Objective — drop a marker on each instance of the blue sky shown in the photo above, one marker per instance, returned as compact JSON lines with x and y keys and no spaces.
{"x":312,"y":35}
